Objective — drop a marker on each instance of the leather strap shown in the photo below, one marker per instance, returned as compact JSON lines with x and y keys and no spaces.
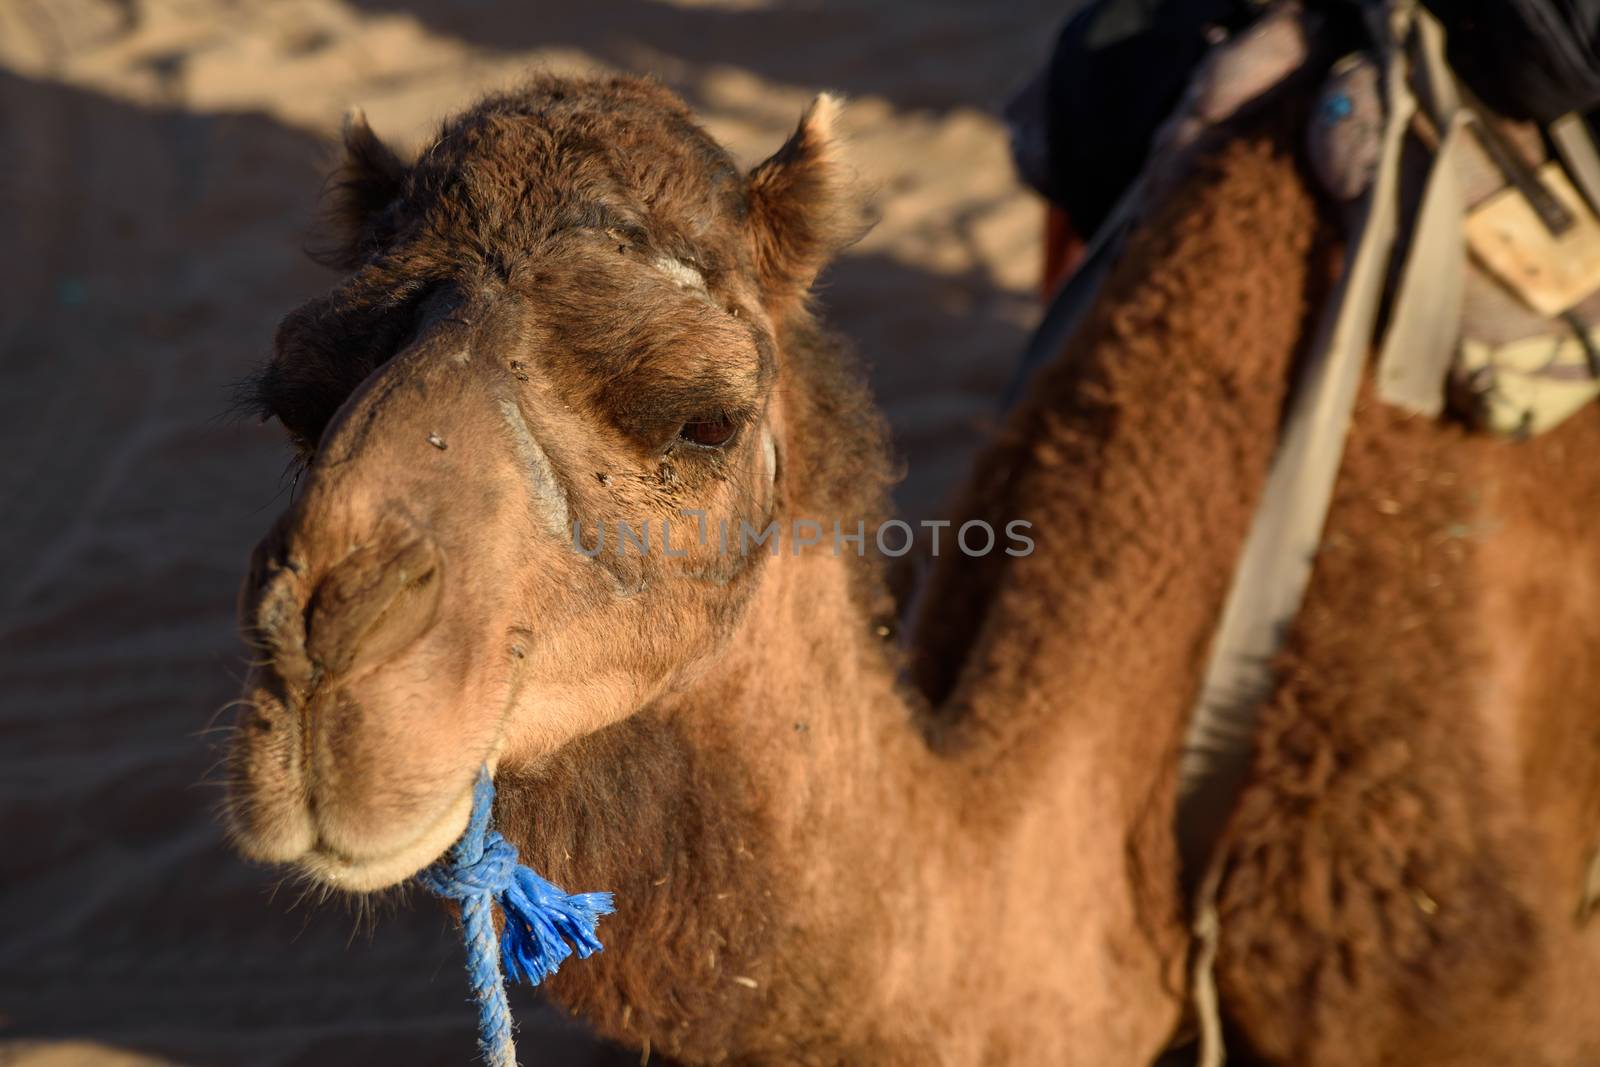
{"x":1570,"y":135}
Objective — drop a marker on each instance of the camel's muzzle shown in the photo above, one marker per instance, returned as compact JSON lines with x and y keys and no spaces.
{"x":381,"y":615}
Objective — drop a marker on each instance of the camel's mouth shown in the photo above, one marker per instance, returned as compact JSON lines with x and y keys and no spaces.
{"x":362,"y":731}
{"x":329,"y":866}
{"x":343,"y":824}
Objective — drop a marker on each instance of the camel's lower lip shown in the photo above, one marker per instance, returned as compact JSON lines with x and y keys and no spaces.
{"x":369,"y":873}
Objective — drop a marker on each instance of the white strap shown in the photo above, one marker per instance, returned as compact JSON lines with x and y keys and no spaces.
{"x":1425,"y":321}
{"x":1420,"y":342}
{"x":1276,"y":564}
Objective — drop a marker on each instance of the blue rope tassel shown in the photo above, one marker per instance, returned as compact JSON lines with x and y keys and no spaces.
{"x":543,"y":924}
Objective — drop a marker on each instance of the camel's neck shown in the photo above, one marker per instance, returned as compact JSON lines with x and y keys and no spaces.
{"x":1137,"y":457}
{"x":749,"y":826}
{"x":755,"y":826}
{"x":794,"y":862}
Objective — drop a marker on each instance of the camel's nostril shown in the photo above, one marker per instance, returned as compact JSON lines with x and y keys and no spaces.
{"x":378,"y":600}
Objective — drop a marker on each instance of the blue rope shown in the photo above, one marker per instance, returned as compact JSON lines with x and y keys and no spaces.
{"x":543,"y":924}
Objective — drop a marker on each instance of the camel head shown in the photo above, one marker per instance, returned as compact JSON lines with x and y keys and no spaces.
{"x":567,"y":313}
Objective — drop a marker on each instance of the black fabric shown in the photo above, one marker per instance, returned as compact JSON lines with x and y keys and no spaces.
{"x":1530,"y":59}
{"x":1082,"y":129}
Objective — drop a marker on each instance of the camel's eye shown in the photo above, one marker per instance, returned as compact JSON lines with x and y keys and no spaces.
{"x":708,"y":433}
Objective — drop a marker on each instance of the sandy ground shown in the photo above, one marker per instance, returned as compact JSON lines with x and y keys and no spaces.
{"x":159,"y":163}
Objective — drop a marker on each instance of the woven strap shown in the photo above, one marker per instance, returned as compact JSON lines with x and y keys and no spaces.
{"x":1275,"y":567}
{"x":1420,"y":342}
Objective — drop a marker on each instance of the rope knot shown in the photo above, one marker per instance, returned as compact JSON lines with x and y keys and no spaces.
{"x":543,"y":923}
{"x":491,"y":873}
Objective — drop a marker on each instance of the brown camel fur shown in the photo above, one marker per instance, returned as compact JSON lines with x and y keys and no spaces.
{"x":573,"y":308}
{"x":1404,"y":868}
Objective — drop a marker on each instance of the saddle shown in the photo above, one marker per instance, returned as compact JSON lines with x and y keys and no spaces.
{"x":1491,"y":308}
{"x":1471,"y":284}
{"x":1489,"y":312}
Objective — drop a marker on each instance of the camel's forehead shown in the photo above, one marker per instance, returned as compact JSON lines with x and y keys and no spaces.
{"x":583,"y":299}
{"x":633,"y":170}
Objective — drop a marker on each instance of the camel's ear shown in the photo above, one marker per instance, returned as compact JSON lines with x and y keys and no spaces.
{"x":802,"y":206}
{"x":366,"y":181}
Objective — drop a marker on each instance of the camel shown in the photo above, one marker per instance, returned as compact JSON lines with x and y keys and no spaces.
{"x":1404,"y":871}
{"x":573,"y":312}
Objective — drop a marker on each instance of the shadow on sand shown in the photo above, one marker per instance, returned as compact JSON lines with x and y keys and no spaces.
{"x":846,"y":47}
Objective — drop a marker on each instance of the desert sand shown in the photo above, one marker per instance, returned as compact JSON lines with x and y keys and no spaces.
{"x":160,"y":162}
